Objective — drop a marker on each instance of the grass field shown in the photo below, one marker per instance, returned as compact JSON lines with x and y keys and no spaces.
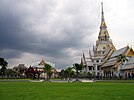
{"x":66,"y":91}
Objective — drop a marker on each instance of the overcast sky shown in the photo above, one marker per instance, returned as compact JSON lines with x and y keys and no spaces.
{"x":60,"y":30}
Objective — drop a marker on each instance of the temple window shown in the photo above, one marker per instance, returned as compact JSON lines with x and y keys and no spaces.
{"x":89,"y":67}
{"x":97,"y":61}
{"x":98,"y":67}
{"x":105,"y":36}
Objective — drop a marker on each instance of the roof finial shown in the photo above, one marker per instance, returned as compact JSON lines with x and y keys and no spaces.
{"x":83,"y":54}
{"x":102,"y":13}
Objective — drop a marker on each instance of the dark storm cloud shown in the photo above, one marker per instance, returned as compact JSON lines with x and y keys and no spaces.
{"x":44,"y":27}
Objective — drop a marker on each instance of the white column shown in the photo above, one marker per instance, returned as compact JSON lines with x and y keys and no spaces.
{"x":95,"y":70}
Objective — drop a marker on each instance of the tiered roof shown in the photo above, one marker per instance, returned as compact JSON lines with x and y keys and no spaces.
{"x":129,"y":64}
{"x":42,"y":62}
{"x":113,"y":59}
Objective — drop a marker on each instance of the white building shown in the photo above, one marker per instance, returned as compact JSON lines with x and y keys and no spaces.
{"x":40,"y":67}
{"x":103,"y":60}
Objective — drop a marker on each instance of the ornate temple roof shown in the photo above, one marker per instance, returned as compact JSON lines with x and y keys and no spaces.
{"x":22,"y":66}
{"x":113,"y":59}
{"x":109,"y":64}
{"x":129,"y":64}
{"x":120,"y":51}
{"x":42,"y":62}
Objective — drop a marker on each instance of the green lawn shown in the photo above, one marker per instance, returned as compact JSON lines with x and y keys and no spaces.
{"x":66,"y":91}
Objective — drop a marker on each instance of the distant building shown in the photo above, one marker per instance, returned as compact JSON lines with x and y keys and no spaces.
{"x":20,"y":70}
{"x":40,"y":65}
{"x":103,"y":60}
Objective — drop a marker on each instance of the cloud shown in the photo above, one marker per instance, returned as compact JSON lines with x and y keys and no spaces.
{"x":58,"y":30}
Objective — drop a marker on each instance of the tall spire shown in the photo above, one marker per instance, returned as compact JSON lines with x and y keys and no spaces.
{"x":83,"y":55}
{"x":84,"y":58}
{"x":103,"y":24}
{"x":90,"y":55}
{"x":103,"y":34}
{"x":102,"y":13}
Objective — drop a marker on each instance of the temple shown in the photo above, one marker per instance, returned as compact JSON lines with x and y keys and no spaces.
{"x":39,"y":66}
{"x":104,"y":60}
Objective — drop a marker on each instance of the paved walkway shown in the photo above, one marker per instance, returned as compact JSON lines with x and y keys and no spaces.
{"x":13,"y":80}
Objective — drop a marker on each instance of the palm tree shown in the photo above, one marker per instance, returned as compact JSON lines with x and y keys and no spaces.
{"x":69,"y":72}
{"x":78,"y":67}
{"x":62,"y":73}
{"x":3,"y":64}
{"x":121,"y":58}
{"x":48,"y":70}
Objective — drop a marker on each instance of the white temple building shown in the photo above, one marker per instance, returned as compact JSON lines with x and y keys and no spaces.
{"x":104,"y":60}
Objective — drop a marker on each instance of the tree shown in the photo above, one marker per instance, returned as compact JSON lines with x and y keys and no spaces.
{"x":3,"y":64}
{"x":78,"y":67}
{"x":62,"y":73}
{"x":48,"y":70}
{"x":10,"y":73}
{"x":30,"y":73}
{"x":69,"y":72}
{"x":121,"y":58}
